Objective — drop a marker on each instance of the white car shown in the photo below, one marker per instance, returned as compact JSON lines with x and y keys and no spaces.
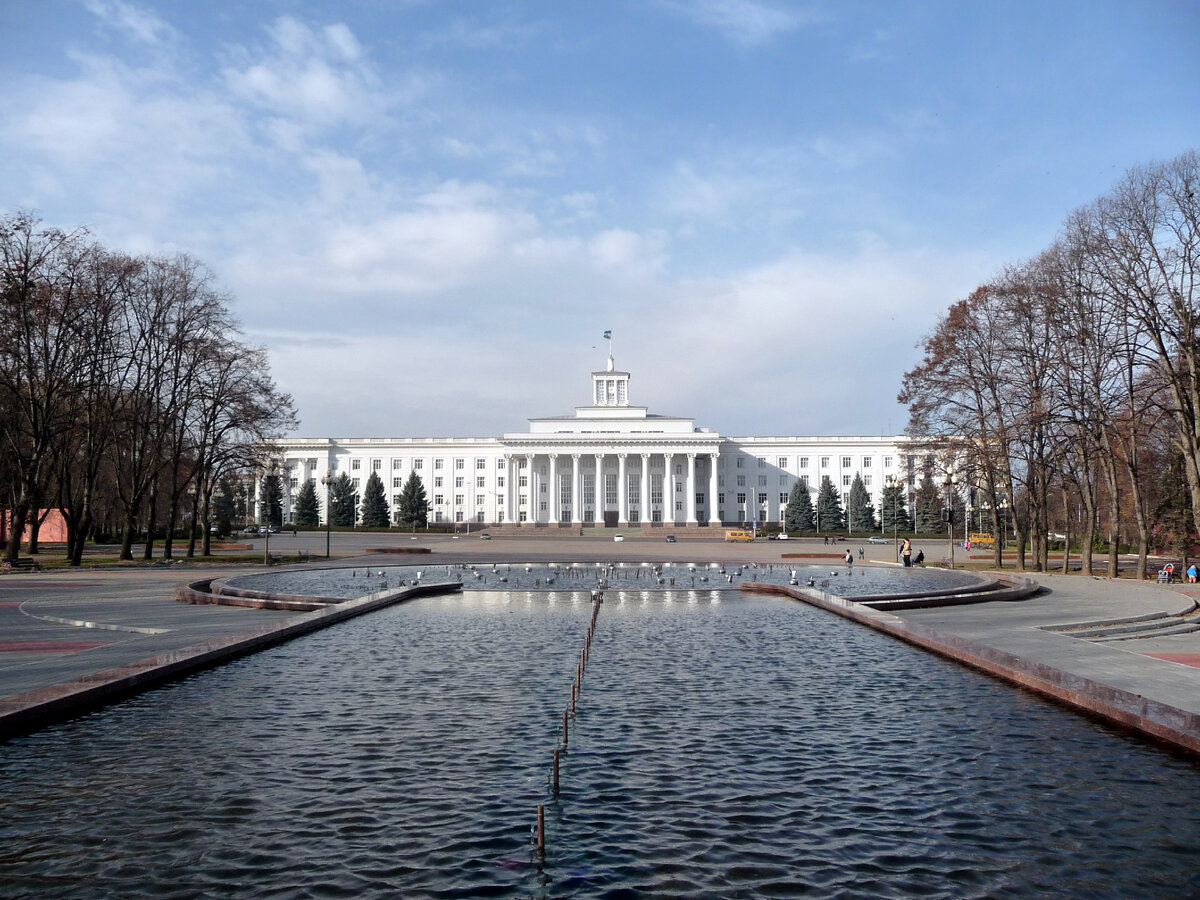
{"x":618,"y":537}
{"x":876,"y":539}
{"x":783,"y":537}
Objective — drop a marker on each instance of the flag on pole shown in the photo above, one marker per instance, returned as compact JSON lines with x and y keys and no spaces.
{"x":608,"y":334}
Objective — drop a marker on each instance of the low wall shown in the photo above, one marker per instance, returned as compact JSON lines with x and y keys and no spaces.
{"x":1154,"y":718}
{"x":23,"y":713}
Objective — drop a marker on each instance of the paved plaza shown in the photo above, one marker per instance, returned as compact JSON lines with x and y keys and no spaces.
{"x":58,"y":628}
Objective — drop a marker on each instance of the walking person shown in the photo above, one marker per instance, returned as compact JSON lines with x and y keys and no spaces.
{"x":906,"y":553}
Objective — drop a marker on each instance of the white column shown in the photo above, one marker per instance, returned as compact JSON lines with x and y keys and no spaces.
{"x":690,"y":499}
{"x":622,"y":506}
{"x":714,"y":515}
{"x":668,"y":515}
{"x":510,"y":488}
{"x":599,"y":514}
{"x":533,"y":497}
{"x":576,"y":491}
{"x":645,"y":501}
{"x":553,"y":488}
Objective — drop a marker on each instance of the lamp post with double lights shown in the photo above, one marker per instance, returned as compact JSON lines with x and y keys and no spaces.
{"x":893,"y":485}
{"x":950,"y":480}
{"x":328,"y":482}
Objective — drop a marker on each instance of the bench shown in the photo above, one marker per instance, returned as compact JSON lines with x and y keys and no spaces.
{"x":23,"y":564}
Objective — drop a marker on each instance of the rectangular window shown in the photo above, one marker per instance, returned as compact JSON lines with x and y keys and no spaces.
{"x":458,"y":481}
{"x":761,"y":462}
{"x":292,"y":482}
{"x":610,"y":489}
{"x":437,"y":481}
{"x":479,"y":500}
{"x":804,"y":481}
{"x":499,"y":481}
{"x":720,"y":481}
{"x":355,"y":465}
{"x":699,"y":499}
{"x":521,"y":462}
{"x":721,"y":498}
{"x":866,"y":462}
{"x":523,"y":500}
{"x":480,"y":463}
{"x":500,"y":463}
{"x":783,"y":479}
{"x":354,"y":483}
{"x":867,"y":480}
{"x":845,"y":462}
{"x":524,"y":516}
{"x":458,"y":499}
{"x":418,"y":464}
{"x":741,"y":463}
{"x":678,"y":506}
{"x":762,"y":480}
{"x":395,"y":499}
{"x":376,"y":465}
{"x":479,"y":516}
{"x":396,"y":482}
{"x":783,"y":499}
{"x":543,"y":506}
{"x":741,"y":481}
{"x":541,"y":487}
{"x":438,"y":517}
{"x":845,"y":481}
{"x":479,"y":482}
{"x":762,"y":499}
{"x":656,"y":489}
{"x":458,"y":515}
{"x":887,"y":462}
{"x":397,"y":464}
{"x":783,"y":462}
{"x":679,"y":468}
{"x":804,"y":462}
{"x":741,"y":497}
{"x":824,"y":462}
{"x":459,"y":464}
{"x":438,"y":499}
{"x":679,"y":487}
{"x":522,"y":481}
{"x":437,"y":463}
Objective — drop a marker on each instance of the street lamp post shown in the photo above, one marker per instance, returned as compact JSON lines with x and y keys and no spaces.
{"x":328,"y":482}
{"x":267,"y":542}
{"x":892,"y":485}
{"x":950,"y":480}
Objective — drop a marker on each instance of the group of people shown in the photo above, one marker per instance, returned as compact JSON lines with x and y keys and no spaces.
{"x":906,"y":556}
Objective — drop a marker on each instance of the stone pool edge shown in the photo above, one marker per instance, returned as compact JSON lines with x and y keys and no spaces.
{"x":27,"y":712}
{"x":1153,"y":718}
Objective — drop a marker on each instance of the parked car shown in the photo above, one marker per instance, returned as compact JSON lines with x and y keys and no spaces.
{"x":484,"y":536}
{"x":772,"y":536}
{"x":250,"y":529}
{"x":876,"y":539}
{"x":273,"y":529}
{"x":670,"y":539}
{"x":783,"y":536}
{"x":618,"y":537}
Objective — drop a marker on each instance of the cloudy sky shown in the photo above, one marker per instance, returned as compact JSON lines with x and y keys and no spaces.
{"x":429,"y":212}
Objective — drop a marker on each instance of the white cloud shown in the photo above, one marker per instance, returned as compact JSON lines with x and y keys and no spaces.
{"x":747,"y":23}
{"x":134,"y":21}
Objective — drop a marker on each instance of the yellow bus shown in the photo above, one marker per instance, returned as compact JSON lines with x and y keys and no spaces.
{"x":982,"y":539}
{"x":738,"y":536}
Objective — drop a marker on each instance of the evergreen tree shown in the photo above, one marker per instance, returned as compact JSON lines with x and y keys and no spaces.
{"x":414,"y":506}
{"x":829,"y":508}
{"x":270,"y":495}
{"x":375,"y":512}
{"x":927,"y":506}
{"x":308,"y":508}
{"x":798,"y":516}
{"x":224,"y":508}
{"x":893,"y":505}
{"x":343,"y":503}
{"x":860,"y":514}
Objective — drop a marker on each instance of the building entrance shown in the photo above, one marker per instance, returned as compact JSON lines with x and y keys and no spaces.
{"x":611,"y":518}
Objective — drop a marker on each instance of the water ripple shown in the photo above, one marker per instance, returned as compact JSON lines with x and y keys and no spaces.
{"x":748,"y":748}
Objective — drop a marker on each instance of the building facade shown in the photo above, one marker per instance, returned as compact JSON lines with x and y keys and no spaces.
{"x":610,"y":463}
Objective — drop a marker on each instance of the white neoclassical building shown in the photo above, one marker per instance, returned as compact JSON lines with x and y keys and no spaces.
{"x":610,"y":463}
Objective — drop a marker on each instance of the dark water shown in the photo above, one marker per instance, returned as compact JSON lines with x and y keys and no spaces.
{"x":839,"y":579}
{"x":726,"y":745}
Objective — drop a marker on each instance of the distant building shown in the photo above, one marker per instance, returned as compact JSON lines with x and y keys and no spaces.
{"x":609,"y":463}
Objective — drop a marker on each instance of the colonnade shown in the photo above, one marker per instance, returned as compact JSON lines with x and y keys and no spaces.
{"x":647,"y":506}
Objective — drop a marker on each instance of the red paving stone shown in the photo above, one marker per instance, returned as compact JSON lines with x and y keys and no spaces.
{"x":48,"y":646}
{"x":1187,"y":659}
{"x":10,"y":603}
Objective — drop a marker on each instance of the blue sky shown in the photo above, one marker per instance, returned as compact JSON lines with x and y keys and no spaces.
{"x":429,"y":212}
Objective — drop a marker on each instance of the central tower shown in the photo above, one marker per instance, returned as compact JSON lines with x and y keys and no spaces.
{"x":610,"y":387}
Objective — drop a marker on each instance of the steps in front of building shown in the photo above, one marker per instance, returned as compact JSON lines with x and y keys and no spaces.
{"x":654,"y":530}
